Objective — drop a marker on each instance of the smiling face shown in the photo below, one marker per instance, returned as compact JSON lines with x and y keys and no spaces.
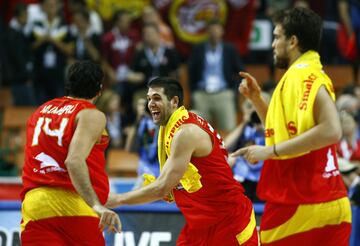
{"x":161,"y":108}
{"x":280,"y":47}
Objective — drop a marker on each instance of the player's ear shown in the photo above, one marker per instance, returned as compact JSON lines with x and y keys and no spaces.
{"x":175,"y":101}
{"x":294,"y":41}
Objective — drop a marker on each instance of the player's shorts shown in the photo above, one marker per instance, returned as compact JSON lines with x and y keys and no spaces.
{"x":327,"y":223}
{"x":231,"y":231}
{"x":58,"y":217}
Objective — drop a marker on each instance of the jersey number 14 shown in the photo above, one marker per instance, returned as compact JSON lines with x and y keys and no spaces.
{"x":43,"y":124}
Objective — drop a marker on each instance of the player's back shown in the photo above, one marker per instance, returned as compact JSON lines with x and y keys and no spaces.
{"x":49,"y":133}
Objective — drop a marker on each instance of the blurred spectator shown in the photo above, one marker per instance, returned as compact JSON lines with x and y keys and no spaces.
{"x":349,"y":11}
{"x":19,"y":64}
{"x":249,"y":132}
{"x":273,"y":6}
{"x":118,"y":46}
{"x":330,"y":16}
{"x":352,"y":182}
{"x":107,"y":8}
{"x":52,"y":46}
{"x":35,"y":14}
{"x":349,"y":174}
{"x":355,"y":21}
{"x":151,"y":16}
{"x":153,"y":59}
{"x":96,"y":25}
{"x":87,"y":41}
{"x":3,"y":57}
{"x":109,"y":104}
{"x":143,"y":139}
{"x":213,"y":69}
{"x":349,"y":146}
{"x":348,"y":103}
{"x":239,"y":24}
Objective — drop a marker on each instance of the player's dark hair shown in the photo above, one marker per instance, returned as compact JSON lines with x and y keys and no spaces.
{"x":304,"y":23}
{"x":84,"y":79}
{"x":171,"y":88}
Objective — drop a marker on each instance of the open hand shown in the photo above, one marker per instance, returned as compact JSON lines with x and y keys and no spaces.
{"x":108,"y":218}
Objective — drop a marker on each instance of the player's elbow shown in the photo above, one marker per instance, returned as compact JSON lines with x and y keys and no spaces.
{"x":72,"y":162}
{"x":333,"y":136}
{"x":160,"y":192}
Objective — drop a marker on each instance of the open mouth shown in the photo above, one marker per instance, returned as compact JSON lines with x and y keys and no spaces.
{"x":155,"y":114}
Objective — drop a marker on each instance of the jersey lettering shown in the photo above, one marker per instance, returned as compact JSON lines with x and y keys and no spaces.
{"x":59,"y":133}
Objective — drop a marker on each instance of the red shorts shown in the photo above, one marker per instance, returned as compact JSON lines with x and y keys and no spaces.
{"x":63,"y":231}
{"x":224,"y":233}
{"x":327,"y":223}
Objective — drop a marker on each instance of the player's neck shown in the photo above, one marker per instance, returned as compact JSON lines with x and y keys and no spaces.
{"x":83,"y":99}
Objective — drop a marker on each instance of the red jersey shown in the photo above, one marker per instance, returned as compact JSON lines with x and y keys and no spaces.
{"x":310,"y":178}
{"x":49,"y":132}
{"x":221,"y":196}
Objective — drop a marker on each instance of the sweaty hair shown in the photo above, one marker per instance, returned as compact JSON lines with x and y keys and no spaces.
{"x":84,"y":79}
{"x":171,"y":88}
{"x":304,"y":23}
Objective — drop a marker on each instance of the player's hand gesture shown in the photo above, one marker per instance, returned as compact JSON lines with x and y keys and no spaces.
{"x":249,"y":87}
{"x":108,"y":218}
{"x":254,"y":153}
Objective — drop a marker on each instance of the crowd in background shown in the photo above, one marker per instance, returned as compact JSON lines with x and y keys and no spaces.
{"x":140,"y":40}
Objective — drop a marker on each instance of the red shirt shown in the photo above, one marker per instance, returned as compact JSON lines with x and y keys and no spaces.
{"x":311,"y":178}
{"x":221,"y":195}
{"x":118,"y":49}
{"x":349,"y":151}
{"x":49,"y":132}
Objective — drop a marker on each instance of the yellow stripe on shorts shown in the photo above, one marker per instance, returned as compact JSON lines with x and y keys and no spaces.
{"x":310,"y":216}
{"x":47,"y":202}
{"x":246,"y":234}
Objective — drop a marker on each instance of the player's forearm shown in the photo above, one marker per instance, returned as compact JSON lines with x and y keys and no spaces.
{"x":146,"y":194}
{"x":261,"y":108}
{"x":79,"y":175}
{"x":313,"y":139}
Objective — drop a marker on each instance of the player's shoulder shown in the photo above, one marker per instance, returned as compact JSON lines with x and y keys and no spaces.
{"x":307,"y":71}
{"x":91,"y":111}
{"x":191,"y":132}
{"x":91,"y":114}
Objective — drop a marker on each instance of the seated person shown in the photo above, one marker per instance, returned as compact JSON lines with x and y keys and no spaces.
{"x":249,"y":132}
